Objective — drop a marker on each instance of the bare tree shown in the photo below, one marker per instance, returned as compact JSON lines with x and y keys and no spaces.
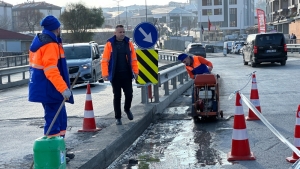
{"x":29,"y":19}
{"x":5,"y":23}
{"x":79,"y":20}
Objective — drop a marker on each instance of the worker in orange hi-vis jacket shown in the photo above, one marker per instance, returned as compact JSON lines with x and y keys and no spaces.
{"x":119,"y":66}
{"x":195,"y":64}
{"x":49,"y":82}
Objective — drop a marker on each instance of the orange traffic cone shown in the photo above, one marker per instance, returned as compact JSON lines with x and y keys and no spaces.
{"x":89,"y":124}
{"x":294,"y":158}
{"x":254,"y":98}
{"x":240,"y":149}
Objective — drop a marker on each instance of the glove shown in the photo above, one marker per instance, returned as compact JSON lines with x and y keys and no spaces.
{"x":67,"y":94}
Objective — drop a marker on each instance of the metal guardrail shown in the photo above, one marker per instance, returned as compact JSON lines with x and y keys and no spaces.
{"x":11,"y":71}
{"x":174,"y":72}
{"x":293,"y":48}
{"x":12,"y":61}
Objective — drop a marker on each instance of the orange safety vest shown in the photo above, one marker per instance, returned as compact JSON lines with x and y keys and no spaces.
{"x":107,"y":62}
{"x":199,"y":66}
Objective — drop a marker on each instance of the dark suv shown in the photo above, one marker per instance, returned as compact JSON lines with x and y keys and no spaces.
{"x":266,"y":47}
{"x":209,"y":48}
{"x":196,"y":49}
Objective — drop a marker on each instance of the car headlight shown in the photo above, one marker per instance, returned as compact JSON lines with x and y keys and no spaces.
{"x":86,"y":66}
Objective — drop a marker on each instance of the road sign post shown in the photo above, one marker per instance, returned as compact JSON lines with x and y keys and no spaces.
{"x":145,"y":36}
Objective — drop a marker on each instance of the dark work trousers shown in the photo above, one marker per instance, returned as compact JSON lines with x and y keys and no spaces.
{"x":122,"y":80}
{"x":60,"y":125}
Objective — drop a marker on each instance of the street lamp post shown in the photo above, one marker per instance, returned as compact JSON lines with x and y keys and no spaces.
{"x":146,"y":9}
{"x":118,"y":1}
{"x":241,"y":22}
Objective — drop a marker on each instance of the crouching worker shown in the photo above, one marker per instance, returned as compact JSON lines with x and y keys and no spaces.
{"x":195,"y":65}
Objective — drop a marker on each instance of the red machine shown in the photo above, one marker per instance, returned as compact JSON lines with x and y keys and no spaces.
{"x":205,"y":97}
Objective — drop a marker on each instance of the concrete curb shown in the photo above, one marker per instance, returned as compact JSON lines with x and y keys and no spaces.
{"x":108,"y":144}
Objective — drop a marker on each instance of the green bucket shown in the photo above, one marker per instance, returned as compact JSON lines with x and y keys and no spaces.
{"x":49,"y":153}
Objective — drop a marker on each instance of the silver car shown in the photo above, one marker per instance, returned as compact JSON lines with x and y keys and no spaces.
{"x":84,"y":58}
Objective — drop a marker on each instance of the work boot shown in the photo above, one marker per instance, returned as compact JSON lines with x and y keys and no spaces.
{"x":118,"y":122}
{"x":129,"y":115}
{"x":70,"y":155}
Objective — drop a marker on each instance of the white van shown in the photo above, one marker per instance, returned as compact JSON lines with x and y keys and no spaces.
{"x":230,"y":46}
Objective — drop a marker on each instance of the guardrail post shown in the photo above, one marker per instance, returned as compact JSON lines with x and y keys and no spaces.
{"x":156,"y":89}
{"x":7,"y":61}
{"x":8,"y":78}
{"x":23,"y":75}
{"x":144,"y":90}
{"x":156,"y":93}
{"x":21,"y":60}
{"x":174,"y":83}
{"x":181,"y":78}
{"x":0,"y":79}
{"x":186,"y":76}
{"x":166,"y":87}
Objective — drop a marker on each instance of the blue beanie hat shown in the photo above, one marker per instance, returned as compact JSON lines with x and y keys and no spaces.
{"x":50,"y":23}
{"x":182,"y":56}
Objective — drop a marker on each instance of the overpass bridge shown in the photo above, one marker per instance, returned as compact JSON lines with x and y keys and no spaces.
{"x":22,"y":121}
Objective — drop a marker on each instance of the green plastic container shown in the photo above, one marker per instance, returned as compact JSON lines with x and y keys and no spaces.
{"x":49,"y":153}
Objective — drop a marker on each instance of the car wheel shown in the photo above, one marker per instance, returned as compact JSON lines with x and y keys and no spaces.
{"x":94,"y":80}
{"x":282,"y":63}
{"x":253,"y":64}
{"x":245,"y":63}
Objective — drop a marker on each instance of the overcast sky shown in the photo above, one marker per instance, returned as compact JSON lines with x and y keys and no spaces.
{"x":100,"y":3}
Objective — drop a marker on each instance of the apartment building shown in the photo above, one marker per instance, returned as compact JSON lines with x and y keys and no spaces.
{"x":228,"y":16}
{"x":27,"y":11}
{"x":5,"y":15}
{"x":283,"y":15}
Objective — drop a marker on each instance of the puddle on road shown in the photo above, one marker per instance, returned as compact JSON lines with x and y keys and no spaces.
{"x":172,"y":144}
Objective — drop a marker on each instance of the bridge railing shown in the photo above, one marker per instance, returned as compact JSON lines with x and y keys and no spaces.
{"x":172,"y":73}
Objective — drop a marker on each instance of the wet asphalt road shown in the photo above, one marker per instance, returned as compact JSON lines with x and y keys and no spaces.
{"x":175,"y":141}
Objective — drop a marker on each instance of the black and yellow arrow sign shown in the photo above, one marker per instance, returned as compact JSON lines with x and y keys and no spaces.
{"x":148,"y":66}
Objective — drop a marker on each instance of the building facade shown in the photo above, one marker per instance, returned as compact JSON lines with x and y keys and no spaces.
{"x":228,"y":16}
{"x":6,"y":15}
{"x":284,"y":16}
{"x":27,"y":16}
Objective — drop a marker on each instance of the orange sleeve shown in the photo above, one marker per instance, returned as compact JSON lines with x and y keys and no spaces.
{"x":190,"y":73}
{"x":205,"y":61}
{"x":49,"y":60}
{"x":134,"y":62}
{"x":105,"y":59}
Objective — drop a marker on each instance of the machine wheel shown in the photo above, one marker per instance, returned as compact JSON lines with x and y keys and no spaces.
{"x":221,"y":113}
{"x":196,"y":119}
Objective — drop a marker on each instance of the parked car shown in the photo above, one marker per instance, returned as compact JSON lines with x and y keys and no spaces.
{"x":267,"y":47}
{"x":84,"y":58}
{"x":229,"y":46}
{"x":209,"y":48}
{"x":196,"y":49}
{"x":241,"y":50}
{"x":237,"y":48}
